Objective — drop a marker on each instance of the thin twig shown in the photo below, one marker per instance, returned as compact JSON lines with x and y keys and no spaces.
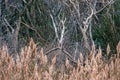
{"x":68,"y":54}
{"x":9,"y":24}
{"x":28,"y":26}
{"x":111,"y":2}
{"x":64,"y":51}
{"x":54,"y":49}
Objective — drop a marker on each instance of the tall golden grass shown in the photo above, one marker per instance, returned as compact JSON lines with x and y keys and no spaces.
{"x":32,"y":64}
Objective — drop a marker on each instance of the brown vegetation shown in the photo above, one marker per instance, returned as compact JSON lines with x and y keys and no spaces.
{"x":32,"y":64}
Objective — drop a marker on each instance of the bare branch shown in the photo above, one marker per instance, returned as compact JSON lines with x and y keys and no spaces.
{"x":63,"y":30}
{"x":68,"y":54}
{"x":9,"y":25}
{"x":55,"y":27}
{"x":88,"y":18}
{"x":54,"y":49}
{"x":28,"y":26}
{"x":109,"y":3}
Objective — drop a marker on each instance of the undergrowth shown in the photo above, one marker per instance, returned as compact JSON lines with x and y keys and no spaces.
{"x":32,"y":64}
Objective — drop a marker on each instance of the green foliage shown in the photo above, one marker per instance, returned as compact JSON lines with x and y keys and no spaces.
{"x":108,"y":29}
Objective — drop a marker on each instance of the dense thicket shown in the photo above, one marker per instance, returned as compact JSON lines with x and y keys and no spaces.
{"x":77,"y":27}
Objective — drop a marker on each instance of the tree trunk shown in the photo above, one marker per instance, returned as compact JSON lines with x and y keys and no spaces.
{"x":10,"y":12}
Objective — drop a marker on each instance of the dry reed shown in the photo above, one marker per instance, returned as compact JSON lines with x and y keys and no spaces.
{"x":32,"y":64}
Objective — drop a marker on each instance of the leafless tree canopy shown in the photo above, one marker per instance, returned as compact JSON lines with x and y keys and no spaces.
{"x":71,"y":22}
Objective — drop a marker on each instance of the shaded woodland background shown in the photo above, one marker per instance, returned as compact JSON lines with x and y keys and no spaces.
{"x":77,"y":28}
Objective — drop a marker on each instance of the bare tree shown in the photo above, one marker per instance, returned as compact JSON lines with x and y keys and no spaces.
{"x":78,"y":15}
{"x":10,"y":11}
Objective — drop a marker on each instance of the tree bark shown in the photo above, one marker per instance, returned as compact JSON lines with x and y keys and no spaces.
{"x":10,"y":12}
